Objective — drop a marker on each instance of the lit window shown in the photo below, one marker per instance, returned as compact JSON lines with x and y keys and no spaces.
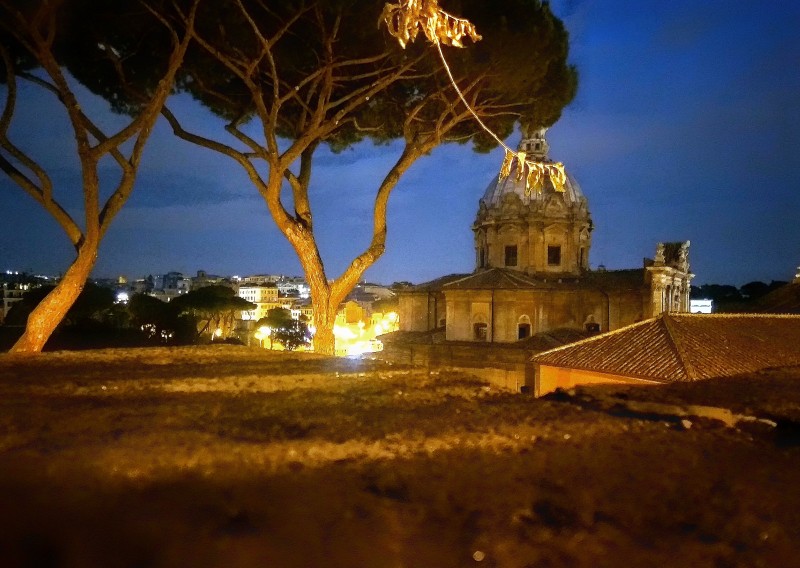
{"x":554,"y":255}
{"x":511,"y":255}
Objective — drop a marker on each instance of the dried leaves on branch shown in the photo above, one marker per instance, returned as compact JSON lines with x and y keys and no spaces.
{"x":406,"y":19}
{"x":536,"y":172}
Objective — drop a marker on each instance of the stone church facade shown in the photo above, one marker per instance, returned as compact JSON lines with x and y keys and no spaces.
{"x":532,"y":270}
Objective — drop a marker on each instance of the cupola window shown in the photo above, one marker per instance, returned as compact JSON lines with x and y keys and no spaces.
{"x":554,"y":255}
{"x":511,"y":255}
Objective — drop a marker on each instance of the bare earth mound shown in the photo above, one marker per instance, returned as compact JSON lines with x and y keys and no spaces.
{"x":225,"y":456}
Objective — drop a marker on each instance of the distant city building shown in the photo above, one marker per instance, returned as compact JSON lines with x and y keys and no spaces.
{"x":11,"y":295}
{"x":204,"y":279}
{"x":264,"y":296}
{"x":15,"y":284}
{"x":701,"y":306}
{"x":303,"y":308}
{"x":141,"y":285}
{"x":260,"y":279}
{"x":293,"y":285}
{"x":172,"y":283}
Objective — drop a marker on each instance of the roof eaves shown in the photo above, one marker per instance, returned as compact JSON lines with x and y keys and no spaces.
{"x":633,"y":375}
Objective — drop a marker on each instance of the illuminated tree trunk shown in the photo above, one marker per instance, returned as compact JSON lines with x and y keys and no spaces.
{"x":324,"y":340}
{"x":44,"y":319}
{"x":325,"y":306}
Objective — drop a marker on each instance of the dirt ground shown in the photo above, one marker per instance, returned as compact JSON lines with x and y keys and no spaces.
{"x":226,"y":456}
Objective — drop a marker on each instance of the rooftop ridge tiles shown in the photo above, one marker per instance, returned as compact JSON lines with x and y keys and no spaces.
{"x":518,"y":278}
{"x":468,"y":276}
{"x":457,"y":277}
{"x":731,"y":315}
{"x":673,"y":333}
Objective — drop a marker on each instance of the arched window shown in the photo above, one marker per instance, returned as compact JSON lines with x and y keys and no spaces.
{"x":523,"y":327}
{"x":480,"y":327}
{"x":590,"y":325}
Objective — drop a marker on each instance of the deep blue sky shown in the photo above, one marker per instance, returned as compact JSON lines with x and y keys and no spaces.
{"x":686,"y":126}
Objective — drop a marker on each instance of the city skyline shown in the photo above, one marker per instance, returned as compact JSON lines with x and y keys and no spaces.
{"x":684,"y":128}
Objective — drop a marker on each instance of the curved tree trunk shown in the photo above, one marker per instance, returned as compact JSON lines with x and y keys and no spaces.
{"x":44,"y":319}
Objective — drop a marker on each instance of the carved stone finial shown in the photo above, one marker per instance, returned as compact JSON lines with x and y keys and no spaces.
{"x":659,"y":253}
{"x":683,"y":255}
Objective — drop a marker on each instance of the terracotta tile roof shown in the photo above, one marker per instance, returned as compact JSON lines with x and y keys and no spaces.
{"x":686,"y":347}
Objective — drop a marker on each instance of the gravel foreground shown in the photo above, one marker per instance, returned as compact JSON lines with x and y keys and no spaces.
{"x":226,"y":456}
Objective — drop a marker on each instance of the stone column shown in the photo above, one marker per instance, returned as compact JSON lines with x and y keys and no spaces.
{"x":656,"y":296}
{"x":687,"y":291}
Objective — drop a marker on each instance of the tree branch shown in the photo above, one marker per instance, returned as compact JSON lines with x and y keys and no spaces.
{"x":256,"y":148}
{"x":242,"y":159}
{"x":43,"y":193}
{"x":352,"y":274}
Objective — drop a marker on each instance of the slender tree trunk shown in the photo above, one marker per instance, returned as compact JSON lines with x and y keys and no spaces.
{"x":44,"y":319}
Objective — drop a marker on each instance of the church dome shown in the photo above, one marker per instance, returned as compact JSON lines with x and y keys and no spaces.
{"x":542,"y":231}
{"x":536,"y":148}
{"x":498,"y":188}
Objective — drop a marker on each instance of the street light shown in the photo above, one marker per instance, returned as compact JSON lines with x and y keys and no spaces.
{"x":262,"y":333}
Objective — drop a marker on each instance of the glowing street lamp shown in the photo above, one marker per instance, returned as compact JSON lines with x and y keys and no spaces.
{"x":262,"y":333}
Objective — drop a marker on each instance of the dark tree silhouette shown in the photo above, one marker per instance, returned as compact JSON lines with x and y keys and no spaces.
{"x":157,"y":320}
{"x":211,"y":308}
{"x":291,"y":333}
{"x":100,"y":42}
{"x":93,"y":303}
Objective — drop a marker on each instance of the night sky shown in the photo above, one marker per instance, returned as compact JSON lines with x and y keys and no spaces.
{"x":686,"y":126}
